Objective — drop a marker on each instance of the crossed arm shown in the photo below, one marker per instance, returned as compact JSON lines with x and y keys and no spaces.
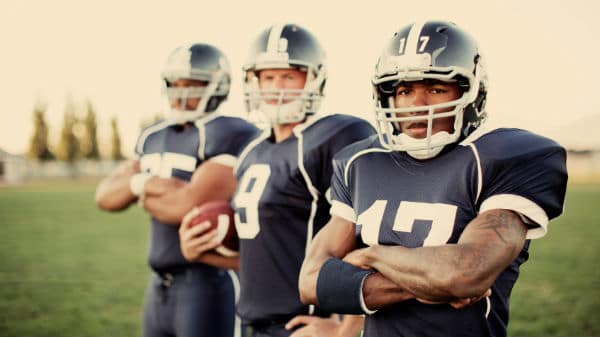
{"x":166,"y":199}
{"x":169,"y":199}
{"x":113,"y":192}
{"x":458,"y":273}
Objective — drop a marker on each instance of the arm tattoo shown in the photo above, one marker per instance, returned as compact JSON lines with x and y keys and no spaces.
{"x":499,"y":222}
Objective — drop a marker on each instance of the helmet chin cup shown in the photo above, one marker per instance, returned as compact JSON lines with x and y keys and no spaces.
{"x":425,"y":148}
{"x":282,"y":113}
{"x":177,"y":116}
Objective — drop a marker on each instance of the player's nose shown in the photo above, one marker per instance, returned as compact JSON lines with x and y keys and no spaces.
{"x":419,"y":98}
{"x":177,"y":103}
{"x":278,"y":82}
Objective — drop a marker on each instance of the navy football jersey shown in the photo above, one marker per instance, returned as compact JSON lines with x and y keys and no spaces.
{"x":169,"y":150}
{"x":397,"y":200}
{"x":281,"y":202}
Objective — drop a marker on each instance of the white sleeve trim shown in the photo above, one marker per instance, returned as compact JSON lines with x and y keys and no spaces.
{"x":224,"y":159}
{"x":525,"y":207}
{"x":342,"y":210}
{"x":479,"y":170}
{"x":363,"y":305}
{"x":328,"y":195}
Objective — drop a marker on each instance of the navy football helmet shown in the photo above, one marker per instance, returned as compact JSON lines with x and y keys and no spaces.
{"x":280,"y":47}
{"x":201,"y":62}
{"x":436,"y":50}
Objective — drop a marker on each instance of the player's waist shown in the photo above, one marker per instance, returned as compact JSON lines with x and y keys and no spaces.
{"x":187,"y":272}
{"x":282,"y":319}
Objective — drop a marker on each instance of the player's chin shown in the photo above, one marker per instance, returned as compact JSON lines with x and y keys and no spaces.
{"x":417,"y":133}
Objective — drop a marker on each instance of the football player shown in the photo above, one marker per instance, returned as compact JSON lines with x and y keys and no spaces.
{"x":284,"y":176}
{"x":184,"y":160}
{"x":445,"y":207}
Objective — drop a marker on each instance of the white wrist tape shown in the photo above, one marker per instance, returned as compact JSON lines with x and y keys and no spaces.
{"x":137,"y":182}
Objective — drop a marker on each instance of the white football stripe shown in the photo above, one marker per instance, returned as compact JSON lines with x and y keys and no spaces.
{"x":413,"y":38}
{"x":222,"y":226}
{"x":274,"y":36}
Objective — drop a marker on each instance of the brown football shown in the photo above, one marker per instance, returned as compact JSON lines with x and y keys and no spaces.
{"x":220,"y":215}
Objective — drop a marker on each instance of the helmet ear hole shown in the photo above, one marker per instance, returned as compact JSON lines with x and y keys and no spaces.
{"x":322,"y":86}
{"x":481,"y":100}
{"x":212,"y":104}
{"x":463,"y":83}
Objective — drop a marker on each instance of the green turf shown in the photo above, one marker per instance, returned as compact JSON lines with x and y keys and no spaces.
{"x":558,"y":293}
{"x":67,"y":269}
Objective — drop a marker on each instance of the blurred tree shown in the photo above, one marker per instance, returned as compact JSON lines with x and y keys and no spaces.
{"x":89,"y":138}
{"x":68,"y":145}
{"x":38,"y":145}
{"x":146,"y":122}
{"x":115,"y":152}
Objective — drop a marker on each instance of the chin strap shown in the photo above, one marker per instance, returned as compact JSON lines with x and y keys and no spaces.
{"x":423,"y":147}
{"x":282,"y":113}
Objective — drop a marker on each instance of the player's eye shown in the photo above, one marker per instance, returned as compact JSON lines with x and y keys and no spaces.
{"x":402,"y":91}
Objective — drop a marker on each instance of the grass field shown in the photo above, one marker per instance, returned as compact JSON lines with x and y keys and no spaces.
{"x":67,"y":269}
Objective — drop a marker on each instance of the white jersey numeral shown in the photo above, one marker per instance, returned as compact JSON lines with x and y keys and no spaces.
{"x":442,"y":217}
{"x":370,"y":220}
{"x":252,"y":186}
{"x":162,"y":165}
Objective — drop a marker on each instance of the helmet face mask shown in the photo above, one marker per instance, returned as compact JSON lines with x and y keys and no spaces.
{"x":200,"y":63}
{"x":185,"y":94}
{"x":432,"y":51}
{"x":284,"y":47}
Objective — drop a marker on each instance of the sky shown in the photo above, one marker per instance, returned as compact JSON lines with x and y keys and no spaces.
{"x":541,"y":55}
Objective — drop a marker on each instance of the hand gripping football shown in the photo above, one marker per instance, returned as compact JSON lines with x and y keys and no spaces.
{"x":220,"y":215}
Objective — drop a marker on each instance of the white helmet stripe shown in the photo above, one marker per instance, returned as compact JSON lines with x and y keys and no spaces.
{"x":274,"y":36}
{"x":412,"y":44}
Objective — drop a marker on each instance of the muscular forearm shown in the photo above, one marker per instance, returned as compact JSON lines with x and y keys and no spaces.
{"x":113,"y":192}
{"x":334,"y":240}
{"x":379,"y":291}
{"x":309,"y":274}
{"x":428,"y":273}
{"x":167,"y":199}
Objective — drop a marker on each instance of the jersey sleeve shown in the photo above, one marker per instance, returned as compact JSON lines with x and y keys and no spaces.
{"x":225,"y":138}
{"x":355,"y":131}
{"x":341,"y":198}
{"x":138,"y":151}
{"x":526,"y":174}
